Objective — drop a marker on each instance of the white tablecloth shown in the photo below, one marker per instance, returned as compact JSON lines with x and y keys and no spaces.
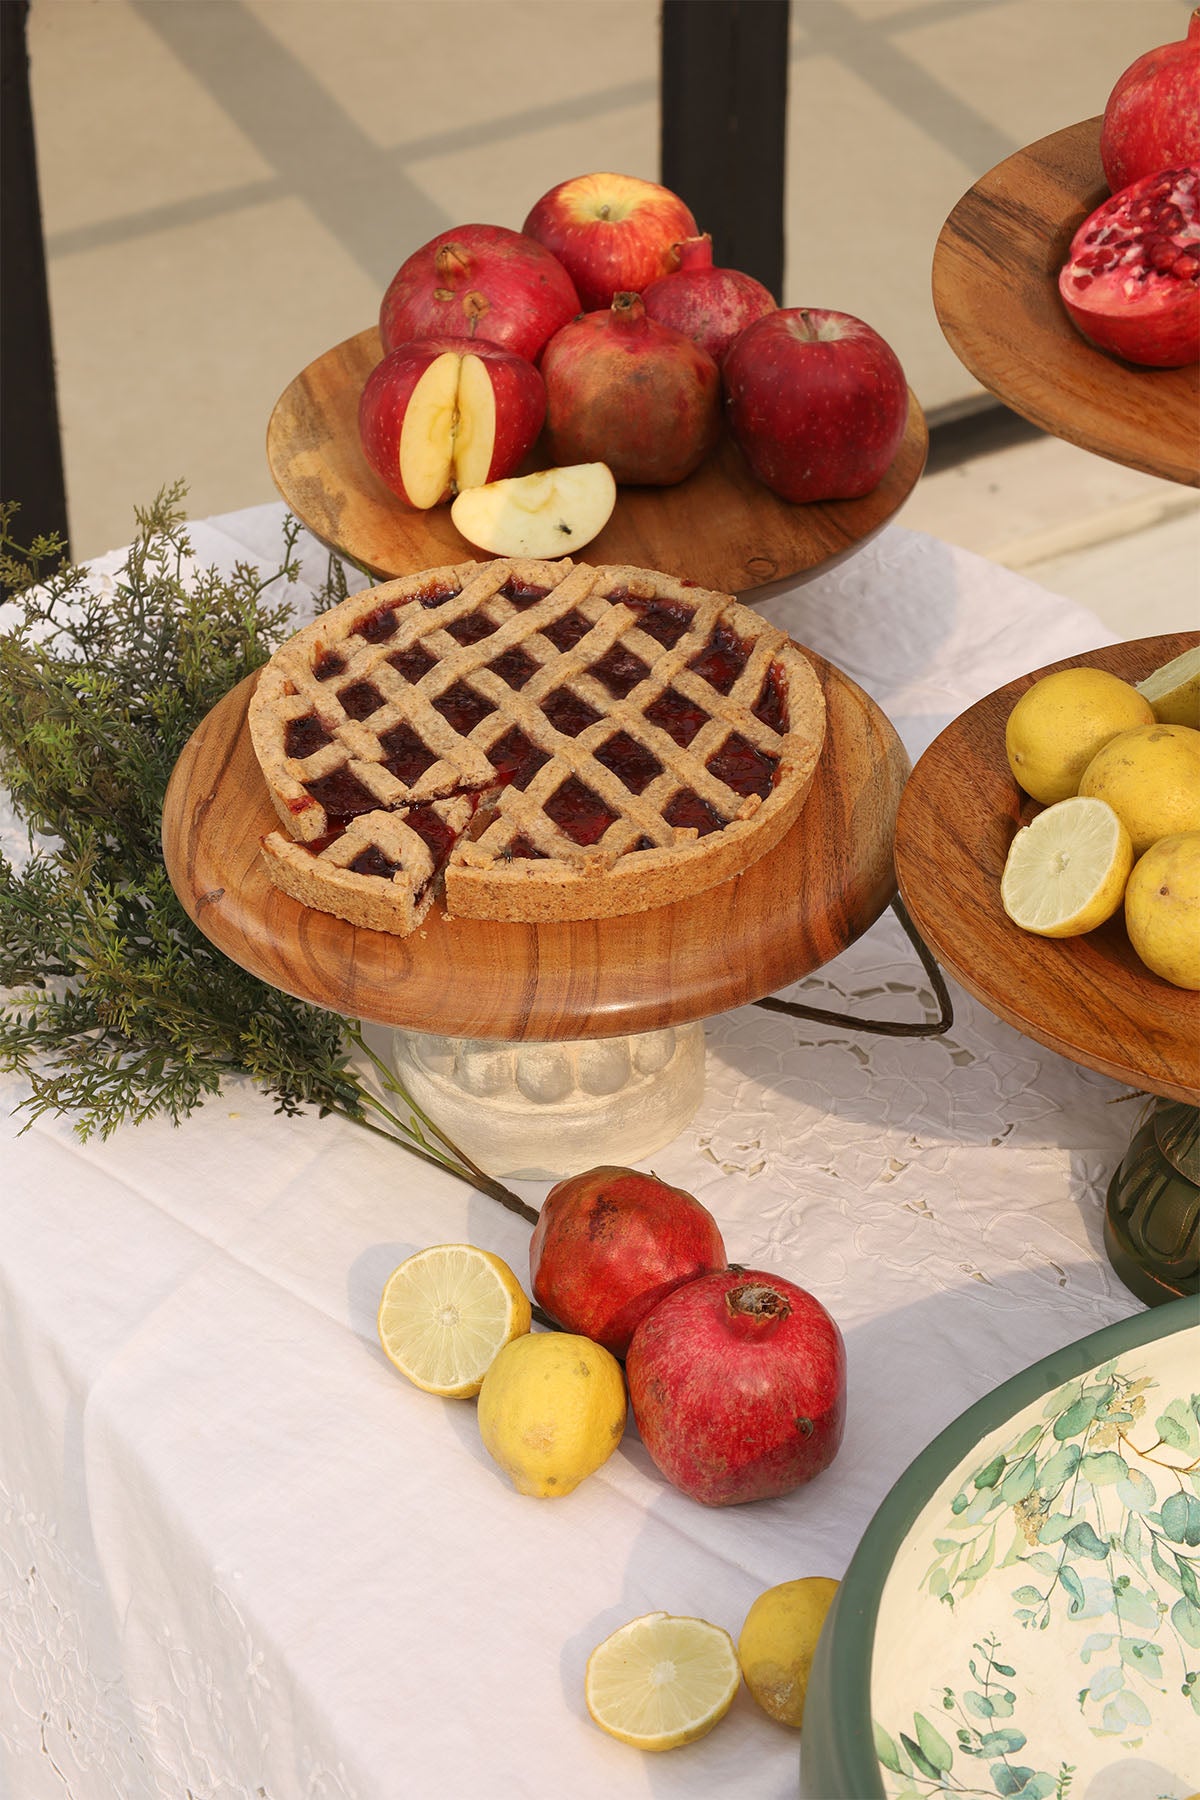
{"x":241,"y":1557}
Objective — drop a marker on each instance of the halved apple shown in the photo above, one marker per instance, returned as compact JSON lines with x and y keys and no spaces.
{"x":549,"y":513}
{"x":436,"y":416}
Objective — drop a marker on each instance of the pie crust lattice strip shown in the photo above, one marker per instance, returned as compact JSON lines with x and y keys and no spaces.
{"x":554,"y":741}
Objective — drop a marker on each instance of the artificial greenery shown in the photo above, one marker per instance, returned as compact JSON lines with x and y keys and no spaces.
{"x":115,"y":1007}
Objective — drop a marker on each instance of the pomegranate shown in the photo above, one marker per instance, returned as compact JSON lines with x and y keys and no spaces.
{"x":707,"y":304}
{"x":737,"y":1382}
{"x":479,"y":281}
{"x":1131,"y":282}
{"x":610,"y":1244}
{"x":1152,"y":118}
{"x":634,"y":394}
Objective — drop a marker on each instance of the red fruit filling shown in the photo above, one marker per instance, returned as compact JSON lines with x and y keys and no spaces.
{"x":743,"y":768}
{"x":579,"y":812}
{"x":360,"y":700}
{"x":770,"y":709}
{"x":406,"y":756}
{"x":567,"y":713}
{"x":629,"y":761}
{"x":516,"y":759}
{"x":305,"y":735}
{"x":328,"y":664}
{"x":514,"y":667}
{"x":687,"y":809}
{"x":462,"y":708}
{"x":679,"y":717}
{"x":566,"y":632}
{"x":523,"y":594}
{"x":413,"y":662}
{"x":620,"y":671}
{"x":378,"y":626}
{"x":470,"y":628}
{"x":722,"y":659}
{"x":342,"y":795}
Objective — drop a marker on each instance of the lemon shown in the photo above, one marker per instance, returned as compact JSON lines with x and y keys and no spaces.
{"x":1174,"y":690}
{"x":662,"y":1681}
{"x":444,"y":1314}
{"x":1059,"y":723}
{"x":777,"y":1643}
{"x":1150,"y":776}
{"x":1066,"y":870}
{"x":1162,"y":909}
{"x":551,"y":1410}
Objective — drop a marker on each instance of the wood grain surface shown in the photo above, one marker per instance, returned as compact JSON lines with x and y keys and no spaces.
{"x":800,"y":905}
{"x":1087,"y":997}
{"x":720,"y":528}
{"x":995,"y":291}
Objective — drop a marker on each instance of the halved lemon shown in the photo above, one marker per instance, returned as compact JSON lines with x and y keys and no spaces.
{"x":445,"y":1314}
{"x":662,"y":1680}
{"x":1066,"y":870}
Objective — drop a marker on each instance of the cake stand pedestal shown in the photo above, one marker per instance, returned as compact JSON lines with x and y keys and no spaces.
{"x":550,"y":1047}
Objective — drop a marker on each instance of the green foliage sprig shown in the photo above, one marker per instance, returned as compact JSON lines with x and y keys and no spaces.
{"x":116,"y":1007}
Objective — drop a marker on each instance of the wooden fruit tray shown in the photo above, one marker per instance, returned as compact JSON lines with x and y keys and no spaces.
{"x":995,"y":291}
{"x":720,"y":528}
{"x":1087,"y":997}
{"x":800,"y":905}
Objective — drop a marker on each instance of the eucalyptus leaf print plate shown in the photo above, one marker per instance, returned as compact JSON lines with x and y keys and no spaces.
{"x":1022,"y":1618}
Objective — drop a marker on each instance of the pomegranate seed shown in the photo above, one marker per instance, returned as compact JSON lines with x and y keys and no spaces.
{"x":1082,"y":281}
{"x":1186,"y":267}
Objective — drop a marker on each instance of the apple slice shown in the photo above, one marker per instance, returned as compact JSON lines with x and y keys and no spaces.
{"x":547,"y":514}
{"x":436,"y":416}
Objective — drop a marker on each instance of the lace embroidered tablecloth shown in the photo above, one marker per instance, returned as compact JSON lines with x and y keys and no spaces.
{"x":240,"y":1557}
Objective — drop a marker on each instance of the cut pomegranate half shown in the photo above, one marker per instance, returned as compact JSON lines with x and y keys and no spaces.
{"x":1131,"y":283}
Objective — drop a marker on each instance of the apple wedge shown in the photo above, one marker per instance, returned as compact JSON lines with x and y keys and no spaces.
{"x":439,"y":415}
{"x":547,"y":514}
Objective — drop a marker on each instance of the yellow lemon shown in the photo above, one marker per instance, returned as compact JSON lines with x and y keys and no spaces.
{"x":1174,"y":690}
{"x":1058,"y":724}
{"x":1162,"y":909}
{"x":1066,"y":870}
{"x":1150,"y":776}
{"x":444,"y":1314}
{"x":662,"y":1681}
{"x":551,"y":1410}
{"x":777,"y":1643}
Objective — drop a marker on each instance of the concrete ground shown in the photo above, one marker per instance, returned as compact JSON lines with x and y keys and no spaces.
{"x":228,"y":185}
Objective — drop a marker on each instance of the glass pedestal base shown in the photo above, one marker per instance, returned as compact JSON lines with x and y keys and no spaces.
{"x":543,"y":1111}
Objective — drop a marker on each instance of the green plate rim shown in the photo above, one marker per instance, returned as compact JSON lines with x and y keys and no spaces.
{"x":838,"y":1760}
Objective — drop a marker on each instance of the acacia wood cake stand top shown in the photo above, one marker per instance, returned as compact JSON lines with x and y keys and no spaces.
{"x":720,"y":527}
{"x":995,"y":291}
{"x":797,"y":907}
{"x":1087,"y":997}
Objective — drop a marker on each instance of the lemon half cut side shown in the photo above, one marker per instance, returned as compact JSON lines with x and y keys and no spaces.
{"x":662,"y":1680}
{"x":1066,"y":870}
{"x":446,"y":1313}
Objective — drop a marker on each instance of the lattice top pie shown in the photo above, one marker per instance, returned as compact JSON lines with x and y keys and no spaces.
{"x":556,"y":741}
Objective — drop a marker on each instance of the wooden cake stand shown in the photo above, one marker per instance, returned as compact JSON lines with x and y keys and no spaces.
{"x":995,"y":291}
{"x":1087,"y":997}
{"x":720,"y":527}
{"x":620,"y":998}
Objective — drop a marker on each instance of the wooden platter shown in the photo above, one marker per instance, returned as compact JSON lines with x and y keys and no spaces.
{"x":802,"y":904}
{"x":720,"y":528}
{"x":1089,"y":997}
{"x":995,"y":291}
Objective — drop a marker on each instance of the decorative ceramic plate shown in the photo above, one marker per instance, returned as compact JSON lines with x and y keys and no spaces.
{"x":1022,"y":1617}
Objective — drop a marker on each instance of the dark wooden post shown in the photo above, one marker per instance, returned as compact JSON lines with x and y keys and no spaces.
{"x":31,"y":469}
{"x":724,"y":78}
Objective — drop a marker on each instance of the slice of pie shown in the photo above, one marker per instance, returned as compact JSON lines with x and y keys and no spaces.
{"x":549,"y":741}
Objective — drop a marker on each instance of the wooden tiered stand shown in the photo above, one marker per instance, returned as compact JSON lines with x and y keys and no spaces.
{"x":995,"y":290}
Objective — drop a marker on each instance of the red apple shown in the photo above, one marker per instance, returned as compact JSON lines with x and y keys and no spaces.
{"x":612,"y":233}
{"x":479,"y":281}
{"x":435,"y":417}
{"x":817,"y":402}
{"x":737,"y":1382}
{"x":610,"y":1244}
{"x":623,"y":390}
{"x":709,"y":305}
